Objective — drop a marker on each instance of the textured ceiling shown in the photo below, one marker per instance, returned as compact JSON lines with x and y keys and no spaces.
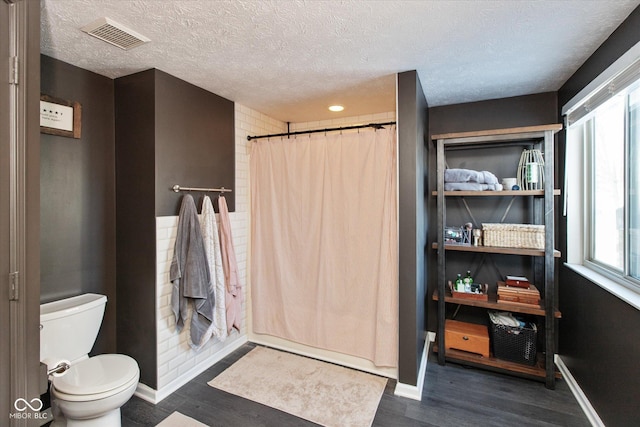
{"x":291,"y":59}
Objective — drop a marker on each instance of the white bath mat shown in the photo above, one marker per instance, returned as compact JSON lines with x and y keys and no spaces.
{"x":327,"y":394}
{"x":178,"y":420}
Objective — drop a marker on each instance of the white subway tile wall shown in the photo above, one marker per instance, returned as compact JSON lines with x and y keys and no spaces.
{"x":177,"y":362}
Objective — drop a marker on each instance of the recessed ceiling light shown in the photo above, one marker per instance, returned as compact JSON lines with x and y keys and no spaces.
{"x":336,"y":108}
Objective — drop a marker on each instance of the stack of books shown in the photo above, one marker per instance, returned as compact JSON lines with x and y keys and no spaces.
{"x":518,"y":291}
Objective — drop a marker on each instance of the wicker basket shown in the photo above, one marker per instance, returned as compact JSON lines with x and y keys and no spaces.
{"x":513,"y":235}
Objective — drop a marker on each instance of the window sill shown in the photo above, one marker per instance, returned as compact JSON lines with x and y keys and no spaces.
{"x":625,"y":294}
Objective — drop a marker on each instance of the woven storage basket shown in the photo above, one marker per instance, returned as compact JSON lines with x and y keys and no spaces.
{"x":513,"y":235}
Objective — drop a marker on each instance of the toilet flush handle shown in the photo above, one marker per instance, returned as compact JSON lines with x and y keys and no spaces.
{"x":61,"y":368}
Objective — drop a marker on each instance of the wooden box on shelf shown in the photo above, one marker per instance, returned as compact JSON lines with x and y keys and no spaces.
{"x":466,"y":337}
{"x":484,"y":296}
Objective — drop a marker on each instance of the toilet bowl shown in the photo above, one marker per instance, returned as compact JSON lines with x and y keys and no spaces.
{"x":91,"y":390}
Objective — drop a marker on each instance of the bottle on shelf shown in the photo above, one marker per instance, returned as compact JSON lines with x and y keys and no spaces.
{"x":459,"y":285}
{"x":468,"y":281}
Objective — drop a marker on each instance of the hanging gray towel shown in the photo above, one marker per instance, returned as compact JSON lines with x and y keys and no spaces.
{"x":190,"y":275}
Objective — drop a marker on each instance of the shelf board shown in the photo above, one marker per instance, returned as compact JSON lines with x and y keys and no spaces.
{"x":537,"y":371}
{"x":503,"y":193}
{"x":518,"y":133}
{"x":495,"y":305}
{"x":495,"y":250}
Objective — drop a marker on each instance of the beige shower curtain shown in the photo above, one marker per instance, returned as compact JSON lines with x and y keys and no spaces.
{"x":324,"y":261}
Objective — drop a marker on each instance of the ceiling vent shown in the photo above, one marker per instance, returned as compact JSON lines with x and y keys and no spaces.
{"x":114,"y":33}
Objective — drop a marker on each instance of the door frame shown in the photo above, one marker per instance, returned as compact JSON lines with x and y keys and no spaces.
{"x":20,"y":217}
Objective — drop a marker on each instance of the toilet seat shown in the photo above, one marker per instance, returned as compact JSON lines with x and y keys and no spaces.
{"x":79,"y":398}
{"x":97,"y":377}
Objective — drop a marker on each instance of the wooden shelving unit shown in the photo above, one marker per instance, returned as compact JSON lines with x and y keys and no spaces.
{"x":540,"y":136}
{"x":496,"y":250}
{"x":536,"y":371}
{"x":503,"y":193}
{"x":493,"y":304}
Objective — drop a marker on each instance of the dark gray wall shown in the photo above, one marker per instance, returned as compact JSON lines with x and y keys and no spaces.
{"x":528,"y":110}
{"x":194,"y":139}
{"x":412,"y":125}
{"x":135,"y":220}
{"x":77,"y":194}
{"x":599,"y":333}
{"x":167,"y":132}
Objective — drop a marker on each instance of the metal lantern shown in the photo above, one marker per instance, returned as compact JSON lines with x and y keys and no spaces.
{"x":531,"y":170}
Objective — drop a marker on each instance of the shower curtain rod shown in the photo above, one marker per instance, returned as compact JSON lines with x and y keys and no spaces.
{"x":302,"y":132}
{"x":178,"y":188}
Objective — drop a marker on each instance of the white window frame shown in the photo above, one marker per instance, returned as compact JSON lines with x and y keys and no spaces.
{"x":577,"y":187}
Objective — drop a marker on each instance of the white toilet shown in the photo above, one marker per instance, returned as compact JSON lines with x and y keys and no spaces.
{"x":88,"y":391}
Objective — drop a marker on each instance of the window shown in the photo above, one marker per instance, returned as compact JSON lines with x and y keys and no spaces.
{"x":606,"y":178}
{"x":607,"y":139}
{"x":634,"y":182}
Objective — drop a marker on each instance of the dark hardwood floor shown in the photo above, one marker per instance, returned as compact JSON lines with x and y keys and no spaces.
{"x":453,"y":396}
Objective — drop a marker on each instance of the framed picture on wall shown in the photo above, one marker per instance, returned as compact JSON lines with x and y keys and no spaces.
{"x":60,"y":117}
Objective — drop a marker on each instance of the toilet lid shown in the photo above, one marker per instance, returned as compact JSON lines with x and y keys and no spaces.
{"x":97,"y":374}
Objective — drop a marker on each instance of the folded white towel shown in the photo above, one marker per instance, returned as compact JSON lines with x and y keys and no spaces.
{"x":468,"y":186}
{"x":468,"y":175}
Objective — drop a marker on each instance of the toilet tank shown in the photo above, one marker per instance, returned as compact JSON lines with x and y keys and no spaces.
{"x":69,"y":328}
